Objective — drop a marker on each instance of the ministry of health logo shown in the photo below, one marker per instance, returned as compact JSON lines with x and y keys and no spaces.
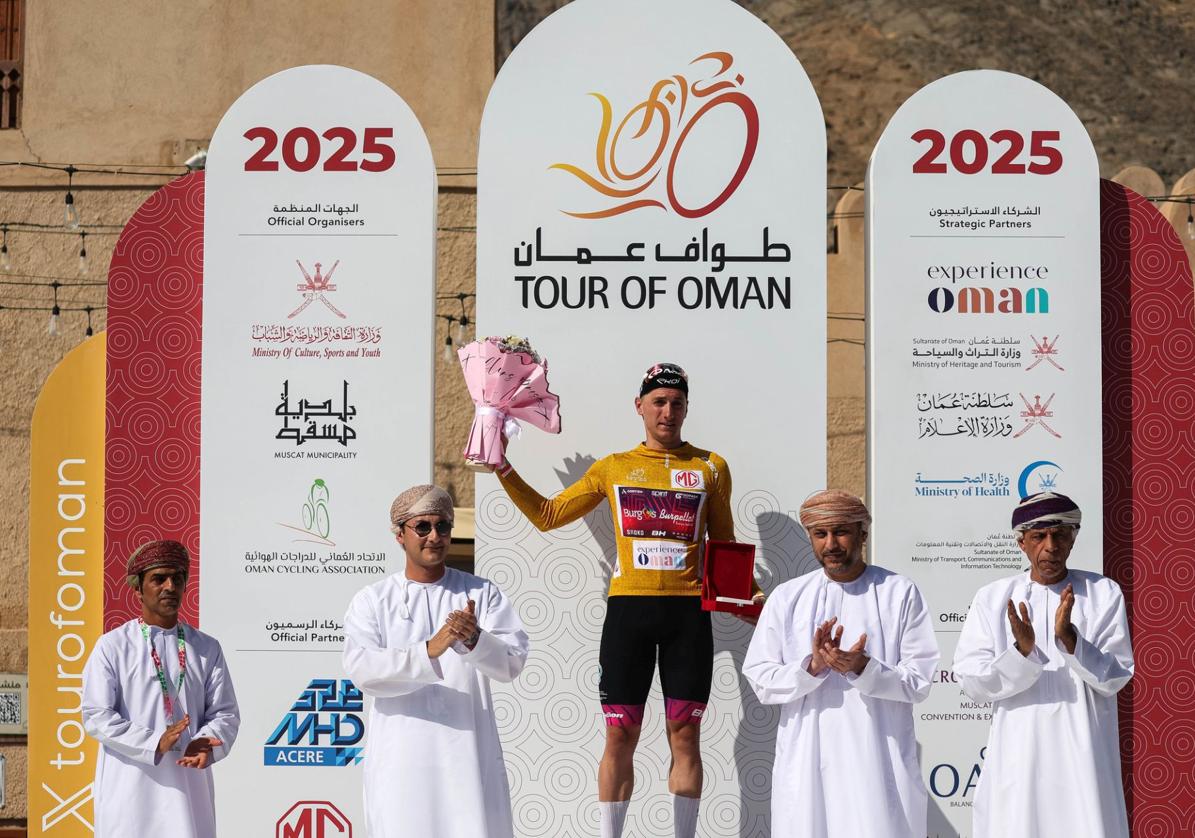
{"x":670,"y":111}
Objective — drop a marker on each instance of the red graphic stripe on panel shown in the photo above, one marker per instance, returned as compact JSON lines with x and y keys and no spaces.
{"x":155,"y":300}
{"x":1149,"y":499}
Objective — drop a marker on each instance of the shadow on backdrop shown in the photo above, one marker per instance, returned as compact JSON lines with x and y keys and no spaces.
{"x":784,"y":554}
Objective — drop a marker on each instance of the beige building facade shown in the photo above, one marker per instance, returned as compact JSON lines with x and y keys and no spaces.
{"x":140,"y":85}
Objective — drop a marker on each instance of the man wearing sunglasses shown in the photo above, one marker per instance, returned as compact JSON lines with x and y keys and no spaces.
{"x":425,"y":642}
{"x":665,"y":495}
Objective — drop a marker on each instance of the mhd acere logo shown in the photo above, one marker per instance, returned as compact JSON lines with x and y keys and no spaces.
{"x":322,"y":728}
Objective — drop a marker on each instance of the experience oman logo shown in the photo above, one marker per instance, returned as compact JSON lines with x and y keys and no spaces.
{"x":668,"y":114}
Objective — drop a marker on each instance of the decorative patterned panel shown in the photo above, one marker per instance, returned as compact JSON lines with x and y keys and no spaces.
{"x":155,"y":298}
{"x":1149,"y":500}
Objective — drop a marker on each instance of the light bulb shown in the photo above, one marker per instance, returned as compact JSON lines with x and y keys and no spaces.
{"x":1190,"y":225}
{"x":5,"y":259}
{"x":54,"y":329}
{"x":448,"y":350}
{"x":70,"y":215}
{"x":82,"y":263}
{"x":460,"y":331}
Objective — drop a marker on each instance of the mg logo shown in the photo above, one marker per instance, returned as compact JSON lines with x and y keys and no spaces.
{"x":313,"y":819}
{"x":687,"y":479}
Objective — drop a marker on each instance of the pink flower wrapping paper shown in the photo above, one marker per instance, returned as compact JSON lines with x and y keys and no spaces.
{"x":508,"y":385}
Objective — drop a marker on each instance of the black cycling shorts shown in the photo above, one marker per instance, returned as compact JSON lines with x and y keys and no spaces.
{"x":637,"y":628}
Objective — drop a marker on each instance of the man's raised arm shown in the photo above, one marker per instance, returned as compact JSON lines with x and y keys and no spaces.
{"x":548,"y":514}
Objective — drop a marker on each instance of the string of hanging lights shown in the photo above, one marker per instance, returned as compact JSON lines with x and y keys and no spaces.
{"x":72,"y":224}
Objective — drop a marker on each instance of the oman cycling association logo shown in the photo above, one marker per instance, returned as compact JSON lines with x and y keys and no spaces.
{"x":667,"y":117}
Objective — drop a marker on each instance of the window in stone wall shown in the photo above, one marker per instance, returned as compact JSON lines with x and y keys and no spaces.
{"x":12,"y":53}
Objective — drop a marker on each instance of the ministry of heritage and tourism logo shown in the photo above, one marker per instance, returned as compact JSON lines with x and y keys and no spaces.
{"x":1045,"y":350}
{"x":667,"y":116}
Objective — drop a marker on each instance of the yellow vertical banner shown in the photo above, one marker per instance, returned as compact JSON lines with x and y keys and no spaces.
{"x":66,"y":587}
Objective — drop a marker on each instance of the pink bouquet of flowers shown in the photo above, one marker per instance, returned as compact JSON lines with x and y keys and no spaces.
{"x":508,"y":383}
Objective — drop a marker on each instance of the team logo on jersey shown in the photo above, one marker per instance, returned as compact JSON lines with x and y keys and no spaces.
{"x":687,"y":478}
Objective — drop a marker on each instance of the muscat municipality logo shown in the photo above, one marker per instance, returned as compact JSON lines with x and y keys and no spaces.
{"x":668,"y":116}
{"x":323,"y":727}
{"x":314,"y":288}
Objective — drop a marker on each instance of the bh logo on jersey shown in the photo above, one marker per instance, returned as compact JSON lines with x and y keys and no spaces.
{"x":685,"y":478}
{"x":322,"y":727}
{"x":313,"y":819}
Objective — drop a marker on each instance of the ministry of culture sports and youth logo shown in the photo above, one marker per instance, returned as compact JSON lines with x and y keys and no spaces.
{"x":672,"y":109}
{"x":315,"y":287}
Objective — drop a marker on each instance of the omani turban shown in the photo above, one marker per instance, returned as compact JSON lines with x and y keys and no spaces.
{"x":834,"y":507}
{"x":1045,"y":510}
{"x":421,"y":500}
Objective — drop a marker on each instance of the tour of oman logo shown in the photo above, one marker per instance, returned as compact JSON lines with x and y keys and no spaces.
{"x":669,"y":113}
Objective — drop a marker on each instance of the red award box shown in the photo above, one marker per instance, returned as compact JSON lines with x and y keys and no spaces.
{"x":726,"y":585}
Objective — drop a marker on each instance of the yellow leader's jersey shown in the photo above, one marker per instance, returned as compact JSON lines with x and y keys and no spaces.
{"x":662,"y":504}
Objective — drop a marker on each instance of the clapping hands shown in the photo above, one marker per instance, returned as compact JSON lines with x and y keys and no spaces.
{"x":461,"y":626}
{"x":828,"y":653}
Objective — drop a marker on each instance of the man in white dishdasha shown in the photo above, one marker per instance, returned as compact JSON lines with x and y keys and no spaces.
{"x":846,"y":754}
{"x":1050,"y":649}
{"x":425,"y":643}
{"x":158,"y":697}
